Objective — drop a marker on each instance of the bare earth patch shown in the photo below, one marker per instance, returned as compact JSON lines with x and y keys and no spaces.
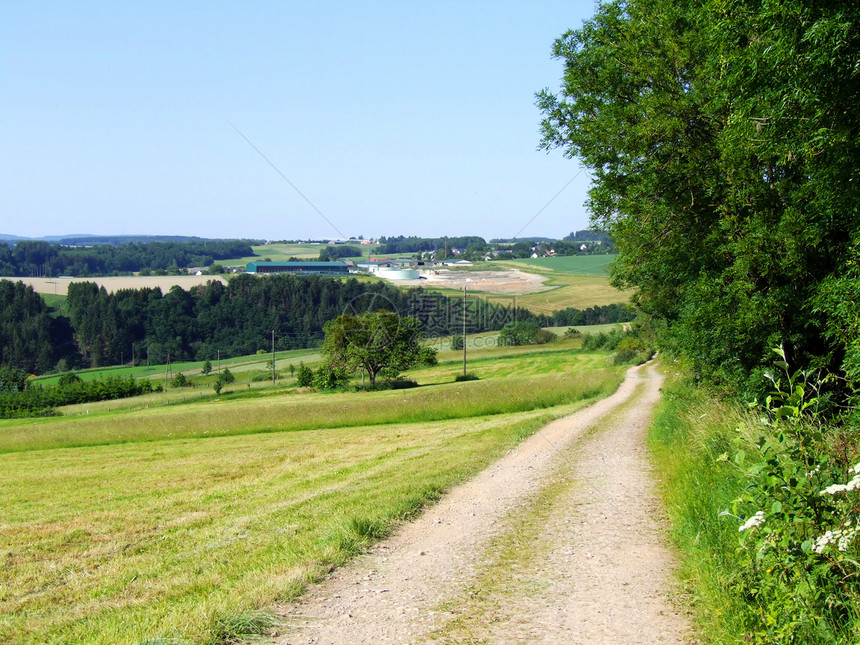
{"x":558,"y":542}
{"x":507,"y":282}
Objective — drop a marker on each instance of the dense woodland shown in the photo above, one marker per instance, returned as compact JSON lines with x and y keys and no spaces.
{"x":723,"y":143}
{"x":147,"y":325}
{"x":33,"y":259}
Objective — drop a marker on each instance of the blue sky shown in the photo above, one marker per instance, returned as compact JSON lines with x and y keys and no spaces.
{"x":412,"y":118}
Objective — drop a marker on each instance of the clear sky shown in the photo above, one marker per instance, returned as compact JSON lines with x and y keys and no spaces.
{"x":391,"y":118}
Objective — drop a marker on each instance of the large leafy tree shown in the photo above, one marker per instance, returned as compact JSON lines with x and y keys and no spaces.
{"x":378,"y":342}
{"x":723,"y":142}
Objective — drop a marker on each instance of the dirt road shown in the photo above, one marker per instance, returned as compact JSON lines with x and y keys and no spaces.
{"x":558,"y":542}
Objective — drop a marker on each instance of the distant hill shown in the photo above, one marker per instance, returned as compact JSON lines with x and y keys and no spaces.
{"x":112,"y":240}
{"x":514,"y":240}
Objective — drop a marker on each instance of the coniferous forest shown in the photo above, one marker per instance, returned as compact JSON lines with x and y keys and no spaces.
{"x":140,"y":325}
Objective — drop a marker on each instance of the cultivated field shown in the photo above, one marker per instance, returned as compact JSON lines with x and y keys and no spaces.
{"x":281,"y":253}
{"x":60,"y":286}
{"x":573,"y":264}
{"x":577,"y":281}
{"x":169,"y":523}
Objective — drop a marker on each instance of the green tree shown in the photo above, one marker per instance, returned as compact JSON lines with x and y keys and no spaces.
{"x":207,"y":368}
{"x":304,"y":376}
{"x":722,"y":140}
{"x":380,"y":343}
{"x":519,"y":333}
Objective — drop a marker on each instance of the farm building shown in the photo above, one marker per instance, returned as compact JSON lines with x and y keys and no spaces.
{"x":298,"y":268}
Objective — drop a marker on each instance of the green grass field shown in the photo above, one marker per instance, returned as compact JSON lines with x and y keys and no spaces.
{"x":597,"y":265}
{"x":579,"y":281}
{"x":135,"y":525}
{"x":281,"y":253}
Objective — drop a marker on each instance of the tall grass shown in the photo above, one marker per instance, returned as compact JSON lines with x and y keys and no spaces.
{"x":691,"y":439}
{"x":306,"y":412}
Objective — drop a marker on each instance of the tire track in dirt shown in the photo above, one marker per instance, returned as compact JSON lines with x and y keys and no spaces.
{"x":557,"y":542}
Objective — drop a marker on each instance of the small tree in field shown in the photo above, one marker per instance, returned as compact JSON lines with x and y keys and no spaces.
{"x":380,"y":343}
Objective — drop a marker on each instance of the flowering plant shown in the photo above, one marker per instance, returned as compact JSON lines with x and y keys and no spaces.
{"x":799,"y":518}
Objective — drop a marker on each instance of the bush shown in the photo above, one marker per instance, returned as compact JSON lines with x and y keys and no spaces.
{"x":544,"y":336}
{"x":457,"y":342}
{"x":519,"y":333}
{"x":180,"y":380}
{"x":329,"y":377}
{"x":304,"y":376}
{"x":391,"y":384}
{"x":466,"y":377}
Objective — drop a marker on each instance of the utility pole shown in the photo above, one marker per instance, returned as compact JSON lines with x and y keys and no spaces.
{"x":464,"y":331}
{"x":219,"y":361}
{"x":273,"y":357}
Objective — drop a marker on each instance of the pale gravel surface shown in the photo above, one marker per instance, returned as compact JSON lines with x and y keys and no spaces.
{"x":595,"y":569}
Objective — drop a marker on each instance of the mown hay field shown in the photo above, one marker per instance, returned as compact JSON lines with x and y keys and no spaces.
{"x":168,"y":523}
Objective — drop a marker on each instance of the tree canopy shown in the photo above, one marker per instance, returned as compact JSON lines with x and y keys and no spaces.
{"x":377,"y":342}
{"x":723,"y":143}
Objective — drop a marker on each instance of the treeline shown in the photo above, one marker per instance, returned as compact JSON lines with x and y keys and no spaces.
{"x":600,"y":315}
{"x":140,"y":325}
{"x":18,"y":400}
{"x":31,"y":338}
{"x":33,"y":259}
{"x":413,"y":244}
{"x":332,"y":253}
{"x":239,"y":318}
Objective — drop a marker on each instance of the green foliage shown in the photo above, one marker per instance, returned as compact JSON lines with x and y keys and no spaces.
{"x":12,"y":379}
{"x":722,"y":142}
{"x":40,"y":401}
{"x":798,"y":544}
{"x":206,"y":369}
{"x":519,"y":333}
{"x":31,"y":338}
{"x":95,"y":257}
{"x":304,"y":376}
{"x":468,"y":376}
{"x":180,"y":380}
{"x":380,"y":343}
{"x":457,"y":342}
{"x":330,"y":377}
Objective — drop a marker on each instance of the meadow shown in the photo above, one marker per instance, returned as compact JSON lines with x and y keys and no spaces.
{"x":169,"y":524}
{"x":579,"y":281}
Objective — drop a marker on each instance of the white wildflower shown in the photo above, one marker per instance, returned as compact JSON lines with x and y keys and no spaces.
{"x":834,"y":488}
{"x":822,"y":542}
{"x":845,"y":540}
{"x":755,"y":520}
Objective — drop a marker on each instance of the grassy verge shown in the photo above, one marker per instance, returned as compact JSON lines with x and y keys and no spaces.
{"x":179,"y":522}
{"x":689,"y":439}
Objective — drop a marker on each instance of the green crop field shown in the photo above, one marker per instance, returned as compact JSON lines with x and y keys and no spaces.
{"x":597,"y":265}
{"x":579,"y":281}
{"x":128,"y":526}
{"x":282,"y":253}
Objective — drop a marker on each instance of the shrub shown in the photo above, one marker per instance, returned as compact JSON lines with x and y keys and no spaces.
{"x":330,"y":377}
{"x":466,"y":377}
{"x":304,"y":376}
{"x":519,"y":333}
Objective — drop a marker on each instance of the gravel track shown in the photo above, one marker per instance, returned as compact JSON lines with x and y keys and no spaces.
{"x":560,"y":541}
